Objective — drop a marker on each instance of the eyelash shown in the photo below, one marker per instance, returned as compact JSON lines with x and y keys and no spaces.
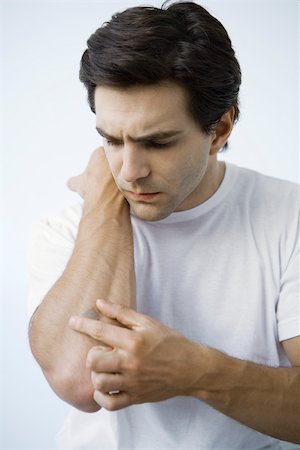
{"x":158,"y":145}
{"x":148,"y":144}
{"x":112,"y":142}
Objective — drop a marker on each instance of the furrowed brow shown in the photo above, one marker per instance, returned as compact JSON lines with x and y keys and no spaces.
{"x":159,"y":135}
{"x":105,"y":135}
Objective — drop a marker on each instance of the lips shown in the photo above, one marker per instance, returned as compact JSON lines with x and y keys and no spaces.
{"x":146,"y":196}
{"x":143,"y":193}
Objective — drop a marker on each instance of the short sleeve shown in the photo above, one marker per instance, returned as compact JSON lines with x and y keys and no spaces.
{"x":50,"y":248}
{"x":288,"y":309}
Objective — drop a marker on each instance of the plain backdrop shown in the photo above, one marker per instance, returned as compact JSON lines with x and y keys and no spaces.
{"x":47,"y":135}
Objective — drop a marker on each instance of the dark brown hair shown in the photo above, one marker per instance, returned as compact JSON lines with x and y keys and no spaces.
{"x":181,"y":42}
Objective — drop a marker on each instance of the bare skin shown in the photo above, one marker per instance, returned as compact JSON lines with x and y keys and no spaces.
{"x":149,"y":361}
{"x":102,"y":261}
{"x":181,"y":168}
{"x":101,"y":265}
{"x":136,"y":355}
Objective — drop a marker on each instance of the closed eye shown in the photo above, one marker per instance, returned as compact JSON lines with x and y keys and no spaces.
{"x":112,"y":143}
{"x":149,"y":144}
{"x":157,"y":144}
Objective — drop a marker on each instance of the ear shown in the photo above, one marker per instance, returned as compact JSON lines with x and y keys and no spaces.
{"x":222,"y":131}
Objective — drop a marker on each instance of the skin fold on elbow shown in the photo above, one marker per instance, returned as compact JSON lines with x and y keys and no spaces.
{"x":69,"y":382}
{"x":73,"y":388}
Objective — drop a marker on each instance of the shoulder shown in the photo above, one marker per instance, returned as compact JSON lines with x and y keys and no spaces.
{"x":52,"y":240}
{"x":269,"y":194}
{"x":271,"y":207}
{"x":50,"y":247}
{"x":59,"y":228}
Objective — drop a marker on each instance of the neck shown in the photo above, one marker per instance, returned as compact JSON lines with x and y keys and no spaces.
{"x":212,"y":179}
{"x":209,"y":184}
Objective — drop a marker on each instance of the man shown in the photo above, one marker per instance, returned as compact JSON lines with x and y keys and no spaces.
{"x":198,"y":347}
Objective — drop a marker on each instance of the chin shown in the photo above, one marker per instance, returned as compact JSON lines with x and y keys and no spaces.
{"x":149,"y":213}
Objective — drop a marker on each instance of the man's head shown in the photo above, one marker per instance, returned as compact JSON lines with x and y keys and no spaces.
{"x":182,"y":43}
{"x":149,"y":70}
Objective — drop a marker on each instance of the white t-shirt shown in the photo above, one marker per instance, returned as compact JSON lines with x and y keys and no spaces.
{"x":224,"y":274}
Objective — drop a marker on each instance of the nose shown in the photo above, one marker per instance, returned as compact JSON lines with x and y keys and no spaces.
{"x":134,"y":163}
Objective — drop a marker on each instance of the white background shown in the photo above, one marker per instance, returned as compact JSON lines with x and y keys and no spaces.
{"x":47,"y":134}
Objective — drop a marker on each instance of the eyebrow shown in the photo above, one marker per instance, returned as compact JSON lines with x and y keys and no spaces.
{"x":159,"y":135}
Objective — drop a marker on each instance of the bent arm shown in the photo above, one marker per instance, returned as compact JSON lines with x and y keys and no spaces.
{"x":165,"y":364}
{"x":101,"y":266}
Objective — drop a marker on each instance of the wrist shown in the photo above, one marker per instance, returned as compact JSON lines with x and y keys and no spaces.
{"x":218,"y":374}
{"x":100,"y":222}
{"x":109,"y":202}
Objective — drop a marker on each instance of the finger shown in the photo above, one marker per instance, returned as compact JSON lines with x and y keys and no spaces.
{"x":107,"y":383}
{"x":72,"y":182}
{"x":102,"y":359}
{"x":112,"y":402}
{"x":108,"y":334}
{"x":126,"y":316}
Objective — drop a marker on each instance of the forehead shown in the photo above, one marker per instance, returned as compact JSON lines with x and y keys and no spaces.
{"x":140,"y":109}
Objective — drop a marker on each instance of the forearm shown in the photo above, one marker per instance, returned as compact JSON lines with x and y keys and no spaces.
{"x":101,"y":266}
{"x":264,"y":398}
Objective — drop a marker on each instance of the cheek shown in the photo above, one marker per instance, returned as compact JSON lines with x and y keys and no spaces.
{"x":190,"y":164}
{"x":192,"y":169}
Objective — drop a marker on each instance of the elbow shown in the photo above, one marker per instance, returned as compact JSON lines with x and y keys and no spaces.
{"x":86,"y":405}
{"x":74,"y":388}
{"x":70,"y":380}
{"x":84,"y":401}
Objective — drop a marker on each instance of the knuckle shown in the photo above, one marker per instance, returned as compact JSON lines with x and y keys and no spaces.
{"x":136,"y":344}
{"x":98,"y":331}
{"x":94,"y":359}
{"x":120,"y":307}
{"x":120,"y":310}
{"x":98,"y":398}
{"x":91,"y":355}
{"x":117,"y":366}
{"x":98,"y":382}
{"x":95,"y":380}
{"x":133,"y":366}
{"x":110,"y":406}
{"x":79,"y":323}
{"x":89,"y":361}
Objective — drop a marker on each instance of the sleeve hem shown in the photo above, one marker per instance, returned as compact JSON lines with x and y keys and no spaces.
{"x":289,"y":328}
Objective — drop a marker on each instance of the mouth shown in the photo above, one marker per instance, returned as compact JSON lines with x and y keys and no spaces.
{"x":143,"y":197}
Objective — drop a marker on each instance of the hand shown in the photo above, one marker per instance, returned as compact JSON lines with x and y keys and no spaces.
{"x":146,"y":362}
{"x":96,"y":182}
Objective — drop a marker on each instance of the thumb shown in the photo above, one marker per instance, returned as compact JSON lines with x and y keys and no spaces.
{"x":73,"y":184}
